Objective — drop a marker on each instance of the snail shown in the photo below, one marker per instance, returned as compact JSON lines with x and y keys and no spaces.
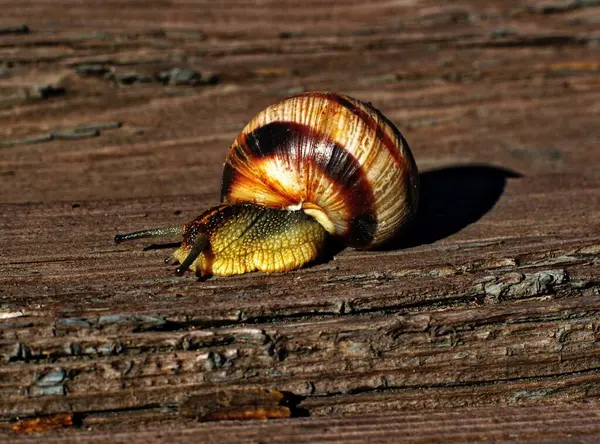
{"x":309,"y":168}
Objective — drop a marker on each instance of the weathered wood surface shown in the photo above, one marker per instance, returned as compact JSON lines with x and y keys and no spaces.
{"x":481,"y":324}
{"x":507,"y":423}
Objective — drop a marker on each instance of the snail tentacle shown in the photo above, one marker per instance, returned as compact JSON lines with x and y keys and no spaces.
{"x":199,"y":246}
{"x":153,"y":232}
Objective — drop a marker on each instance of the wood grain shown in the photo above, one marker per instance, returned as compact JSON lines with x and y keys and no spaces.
{"x":483,"y":322}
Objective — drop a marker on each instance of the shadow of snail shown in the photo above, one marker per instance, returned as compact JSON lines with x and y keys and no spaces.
{"x":451,"y":199}
{"x":307,"y":176}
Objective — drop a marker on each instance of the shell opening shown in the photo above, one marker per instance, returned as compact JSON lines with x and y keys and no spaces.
{"x":320,"y":215}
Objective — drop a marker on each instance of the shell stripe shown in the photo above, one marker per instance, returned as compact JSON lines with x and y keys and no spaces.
{"x":398,"y":149}
{"x":288,"y":143}
{"x":376,"y":126}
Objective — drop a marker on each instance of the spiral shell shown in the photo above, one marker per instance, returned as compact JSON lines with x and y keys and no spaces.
{"x":336,"y":158}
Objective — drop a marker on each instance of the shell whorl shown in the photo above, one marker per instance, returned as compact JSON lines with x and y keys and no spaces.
{"x":336,"y":158}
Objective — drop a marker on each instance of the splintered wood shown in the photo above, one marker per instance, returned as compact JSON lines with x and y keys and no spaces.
{"x":43,"y":424}
{"x":482,"y":322}
{"x":237,"y":404}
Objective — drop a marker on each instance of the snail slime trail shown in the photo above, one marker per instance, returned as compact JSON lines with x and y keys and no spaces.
{"x":311,"y":167}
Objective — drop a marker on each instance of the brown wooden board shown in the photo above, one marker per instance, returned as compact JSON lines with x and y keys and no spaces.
{"x":482,"y":323}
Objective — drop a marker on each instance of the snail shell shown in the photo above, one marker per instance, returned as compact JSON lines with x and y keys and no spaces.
{"x":309,"y":165}
{"x":333,"y":157}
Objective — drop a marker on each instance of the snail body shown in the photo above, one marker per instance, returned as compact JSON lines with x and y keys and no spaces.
{"x":310,"y":167}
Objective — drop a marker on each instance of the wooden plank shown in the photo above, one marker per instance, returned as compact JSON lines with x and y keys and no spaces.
{"x":508,"y":423}
{"x":116,"y":117}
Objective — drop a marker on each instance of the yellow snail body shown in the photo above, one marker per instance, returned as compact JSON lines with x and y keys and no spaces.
{"x":309,"y":167}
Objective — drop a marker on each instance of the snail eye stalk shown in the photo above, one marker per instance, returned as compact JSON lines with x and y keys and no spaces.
{"x":155,"y":232}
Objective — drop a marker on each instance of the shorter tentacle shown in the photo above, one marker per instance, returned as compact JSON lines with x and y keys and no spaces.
{"x":199,"y":246}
